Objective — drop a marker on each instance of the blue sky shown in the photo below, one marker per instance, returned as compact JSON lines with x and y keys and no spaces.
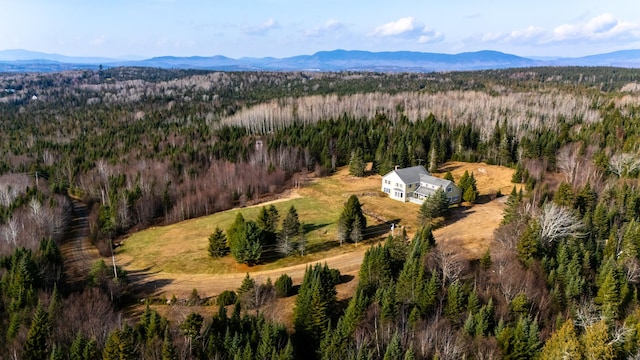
{"x":280,"y":28}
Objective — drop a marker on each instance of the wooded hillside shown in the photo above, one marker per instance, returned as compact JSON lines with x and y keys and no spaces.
{"x":147,"y":146}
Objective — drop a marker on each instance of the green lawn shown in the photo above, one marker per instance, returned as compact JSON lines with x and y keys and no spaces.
{"x":182,"y":247}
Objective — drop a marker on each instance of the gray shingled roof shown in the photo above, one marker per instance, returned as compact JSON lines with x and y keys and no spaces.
{"x":432,"y":180}
{"x":435,"y":181}
{"x":422,"y":190}
{"x":411,"y":174}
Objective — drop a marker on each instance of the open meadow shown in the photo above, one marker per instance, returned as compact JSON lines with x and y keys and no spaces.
{"x":174,"y":260}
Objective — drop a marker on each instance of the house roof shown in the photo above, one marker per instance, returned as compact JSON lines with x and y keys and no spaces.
{"x":432,"y":180}
{"x":423,"y":190}
{"x":411,"y":174}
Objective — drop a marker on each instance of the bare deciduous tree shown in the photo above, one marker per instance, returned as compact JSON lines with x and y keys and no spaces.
{"x":623,"y":164}
{"x":450,"y":263}
{"x":558,"y":222}
{"x":570,"y":162}
{"x":284,"y":246}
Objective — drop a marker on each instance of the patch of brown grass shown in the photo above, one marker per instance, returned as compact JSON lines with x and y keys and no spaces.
{"x":176,"y":255}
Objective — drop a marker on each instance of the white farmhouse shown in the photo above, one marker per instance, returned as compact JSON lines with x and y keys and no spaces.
{"x":415,"y":184}
{"x":401,"y":183}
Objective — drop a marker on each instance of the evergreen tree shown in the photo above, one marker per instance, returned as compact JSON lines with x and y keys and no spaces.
{"x":55,"y":305}
{"x":601,"y":226}
{"x":564,"y":195}
{"x":245,"y":240}
{"x":168,"y":349}
{"x":191,"y":330}
{"x":586,"y":199}
{"x":268,"y":222}
{"x":409,"y":355}
{"x":375,"y":271}
{"x":529,"y":243}
{"x":356,"y":164}
{"x":90,"y":351}
{"x":394,"y":349}
{"x":218,"y":243}
{"x":448,"y":176}
{"x":608,"y":297}
{"x":511,"y":209}
{"x":563,"y":344}
{"x":521,"y":341}
{"x":111,"y":349}
{"x":248,"y":286}
{"x":35,"y":347}
{"x":433,"y":157}
{"x":597,"y":342}
{"x":127,"y":345}
{"x":314,"y":307}
{"x":516,"y":178}
{"x":468,"y":187}
{"x":470,"y":195}
{"x":434,"y":206}
{"x":77,"y":348}
{"x":291,"y":224}
{"x":236,"y":232}
{"x":56,"y":353}
{"x":455,"y":300}
{"x":352,"y":211}
{"x":283,"y":286}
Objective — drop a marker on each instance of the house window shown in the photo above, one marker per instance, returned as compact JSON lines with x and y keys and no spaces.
{"x":387,"y":190}
{"x":449,"y":189}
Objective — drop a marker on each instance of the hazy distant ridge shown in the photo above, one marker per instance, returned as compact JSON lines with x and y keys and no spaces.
{"x":336,"y":60}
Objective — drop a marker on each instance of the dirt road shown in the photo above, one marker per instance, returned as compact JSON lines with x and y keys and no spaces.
{"x":471,"y":232}
{"x":77,"y":250}
{"x":181,"y":285}
{"x":468,"y":230}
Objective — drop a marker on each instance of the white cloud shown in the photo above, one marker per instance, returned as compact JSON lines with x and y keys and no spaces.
{"x":600,"y":28}
{"x":397,"y":27}
{"x":263,"y":28}
{"x":409,"y":28}
{"x":328,"y":27}
{"x":430,"y":36}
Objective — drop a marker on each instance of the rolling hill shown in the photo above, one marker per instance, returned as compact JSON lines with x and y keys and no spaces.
{"x":336,"y":60}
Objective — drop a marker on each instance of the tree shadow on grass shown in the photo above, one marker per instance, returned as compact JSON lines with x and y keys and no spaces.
{"x":143,"y":285}
{"x":322,"y":246}
{"x":448,"y":168}
{"x":374,"y":231}
{"x":345,"y":278}
{"x":307,"y":228}
{"x":455,"y":214}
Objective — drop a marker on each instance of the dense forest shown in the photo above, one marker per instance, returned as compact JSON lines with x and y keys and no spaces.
{"x":145,"y":146}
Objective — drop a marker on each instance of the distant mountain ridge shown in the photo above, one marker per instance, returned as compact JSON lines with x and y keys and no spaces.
{"x":336,"y":60}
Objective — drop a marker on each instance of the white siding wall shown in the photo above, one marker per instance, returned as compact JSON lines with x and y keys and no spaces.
{"x":393,"y":185}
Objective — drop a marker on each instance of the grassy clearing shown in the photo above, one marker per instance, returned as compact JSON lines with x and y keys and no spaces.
{"x":182,"y":248}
